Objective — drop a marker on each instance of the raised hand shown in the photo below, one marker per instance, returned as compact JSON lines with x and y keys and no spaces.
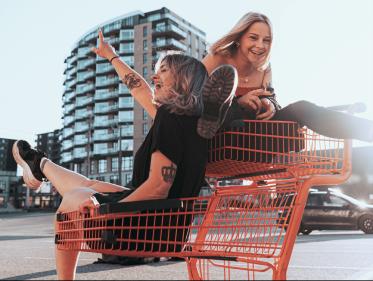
{"x":104,"y":50}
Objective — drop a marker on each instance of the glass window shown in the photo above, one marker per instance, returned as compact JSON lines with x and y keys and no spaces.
{"x":145,"y":115}
{"x":145,"y":58}
{"x":126,"y":47}
{"x":127,"y":34}
{"x":102,"y":166}
{"x":145,"y":45}
{"x":127,"y":163}
{"x":154,"y":17}
{"x":145,"y":31}
{"x":114,"y":164}
{"x":93,"y":166}
{"x":114,"y":179}
{"x":127,"y":145}
{"x":128,"y":178}
{"x":127,"y":130}
{"x":145,"y":128}
{"x":126,"y":102}
{"x":125,"y":116}
{"x":144,"y":71}
{"x":333,"y":201}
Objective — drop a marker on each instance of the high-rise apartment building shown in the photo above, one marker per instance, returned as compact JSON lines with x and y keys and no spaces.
{"x":8,"y":171}
{"x":50,"y":143}
{"x":102,"y":125}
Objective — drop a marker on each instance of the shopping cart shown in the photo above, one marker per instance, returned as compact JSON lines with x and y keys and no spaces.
{"x":240,"y":231}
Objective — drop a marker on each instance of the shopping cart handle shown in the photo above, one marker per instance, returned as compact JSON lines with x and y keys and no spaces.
{"x":357,"y":107}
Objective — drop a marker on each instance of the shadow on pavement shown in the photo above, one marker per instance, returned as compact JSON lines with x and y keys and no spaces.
{"x":82,"y":269}
{"x":22,"y":237}
{"x":330,"y":237}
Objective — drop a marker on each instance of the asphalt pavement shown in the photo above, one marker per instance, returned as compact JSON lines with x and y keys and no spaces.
{"x":27,"y":253}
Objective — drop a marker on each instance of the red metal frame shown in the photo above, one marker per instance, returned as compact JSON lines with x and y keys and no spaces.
{"x":239,"y":231}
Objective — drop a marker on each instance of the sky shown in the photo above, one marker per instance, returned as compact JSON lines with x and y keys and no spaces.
{"x":322,"y":50}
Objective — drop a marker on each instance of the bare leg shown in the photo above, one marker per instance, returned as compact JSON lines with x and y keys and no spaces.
{"x":65,"y":180}
{"x":66,"y":261}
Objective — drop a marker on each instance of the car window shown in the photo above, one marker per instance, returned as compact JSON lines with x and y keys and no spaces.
{"x":333,"y":201}
{"x":313,"y":200}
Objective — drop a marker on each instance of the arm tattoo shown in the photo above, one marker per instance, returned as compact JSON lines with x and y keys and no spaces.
{"x":169,"y":173}
{"x":131,"y":81}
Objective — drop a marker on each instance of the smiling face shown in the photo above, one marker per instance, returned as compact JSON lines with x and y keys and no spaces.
{"x":163,"y":81}
{"x":255,"y":44}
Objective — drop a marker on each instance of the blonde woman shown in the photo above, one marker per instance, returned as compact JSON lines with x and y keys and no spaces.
{"x":171,"y":161}
{"x":247,"y":47}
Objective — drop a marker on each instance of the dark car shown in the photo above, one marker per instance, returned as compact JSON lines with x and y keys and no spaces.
{"x":332,"y":210}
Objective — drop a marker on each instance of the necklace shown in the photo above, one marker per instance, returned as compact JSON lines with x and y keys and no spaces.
{"x":244,"y":79}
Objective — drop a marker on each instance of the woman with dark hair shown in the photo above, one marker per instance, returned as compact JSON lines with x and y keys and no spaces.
{"x":171,"y":161}
{"x":247,"y":47}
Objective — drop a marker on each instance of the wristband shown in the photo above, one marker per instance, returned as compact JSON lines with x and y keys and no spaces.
{"x":113,"y":58}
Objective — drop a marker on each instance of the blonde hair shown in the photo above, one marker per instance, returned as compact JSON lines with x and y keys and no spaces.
{"x":227,"y":45}
{"x":189,"y":75}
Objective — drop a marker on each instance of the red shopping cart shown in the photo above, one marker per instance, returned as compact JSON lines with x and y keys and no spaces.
{"x":240,"y":231}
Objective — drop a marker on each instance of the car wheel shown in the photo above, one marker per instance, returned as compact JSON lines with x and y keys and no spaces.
{"x":304,"y":230}
{"x":366,"y":224}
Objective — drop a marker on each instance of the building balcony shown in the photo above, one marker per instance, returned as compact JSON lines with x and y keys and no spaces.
{"x":103,"y":81}
{"x":82,"y":89}
{"x":67,"y":120}
{"x":66,"y":145}
{"x":105,"y":137}
{"x":106,"y":123}
{"x":68,"y":108}
{"x":85,"y":76}
{"x":105,"y":151}
{"x":83,"y":52}
{"x":70,"y":84}
{"x":105,"y":95}
{"x":68,"y":96}
{"x":104,"y":68}
{"x":169,"y":30}
{"x":83,"y":115}
{"x":80,"y":154}
{"x":66,"y":157}
{"x":84,"y":102}
{"x":106,"y":109}
{"x":83,"y":64}
{"x":170,"y":44}
{"x":81,"y":128}
{"x":81,"y":141}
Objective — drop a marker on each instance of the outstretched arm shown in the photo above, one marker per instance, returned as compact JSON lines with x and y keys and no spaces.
{"x":137,"y":85}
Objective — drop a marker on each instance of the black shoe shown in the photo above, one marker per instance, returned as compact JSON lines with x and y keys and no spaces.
{"x":217,"y":95}
{"x":29,"y":159}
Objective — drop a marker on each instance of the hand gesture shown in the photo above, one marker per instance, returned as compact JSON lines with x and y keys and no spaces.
{"x":269,"y":110}
{"x":252,"y":101}
{"x":104,"y":50}
{"x":90,"y":204}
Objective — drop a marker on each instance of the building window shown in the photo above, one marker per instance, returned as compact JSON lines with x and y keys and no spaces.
{"x":101,"y":178}
{"x":145,"y":58}
{"x":145,"y":115}
{"x":127,"y":163}
{"x":144,"y":71}
{"x":145,"y":31}
{"x":114,"y":164}
{"x":102,"y":166}
{"x":145,"y":45}
{"x":145,"y":128}
{"x":114,"y":179}
{"x":128,"y":178}
{"x":93,"y":166}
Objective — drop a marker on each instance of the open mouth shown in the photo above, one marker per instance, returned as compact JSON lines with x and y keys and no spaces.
{"x":257,"y":53}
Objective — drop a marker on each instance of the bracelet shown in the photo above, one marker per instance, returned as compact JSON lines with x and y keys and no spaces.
{"x":113,"y":58}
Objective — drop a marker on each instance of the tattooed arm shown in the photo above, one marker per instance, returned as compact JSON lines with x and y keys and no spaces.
{"x":161,"y":177}
{"x":137,"y":85}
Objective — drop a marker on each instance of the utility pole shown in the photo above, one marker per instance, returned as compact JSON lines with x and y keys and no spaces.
{"x":89,"y":146}
{"x":120,"y":155}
